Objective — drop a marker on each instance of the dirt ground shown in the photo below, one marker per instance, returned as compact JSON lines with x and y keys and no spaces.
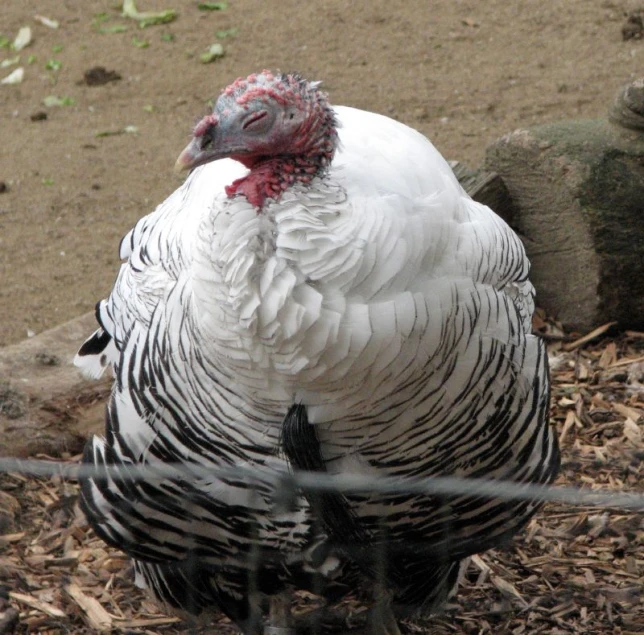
{"x":463,"y":72}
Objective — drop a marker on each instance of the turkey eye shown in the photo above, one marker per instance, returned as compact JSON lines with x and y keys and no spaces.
{"x":254,"y":118}
{"x":207,"y":138}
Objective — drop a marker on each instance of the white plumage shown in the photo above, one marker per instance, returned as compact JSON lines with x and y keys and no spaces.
{"x":379,"y":297}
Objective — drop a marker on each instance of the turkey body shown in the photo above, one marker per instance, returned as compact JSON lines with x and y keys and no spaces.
{"x":394,"y":309}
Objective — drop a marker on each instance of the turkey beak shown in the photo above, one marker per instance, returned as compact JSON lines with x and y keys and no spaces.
{"x":206,"y":146}
{"x":194,"y":155}
{"x":189,"y":157}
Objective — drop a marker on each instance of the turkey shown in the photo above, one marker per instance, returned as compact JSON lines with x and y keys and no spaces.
{"x":320,"y":294}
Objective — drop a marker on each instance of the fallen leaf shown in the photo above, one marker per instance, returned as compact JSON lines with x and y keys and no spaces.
{"x":147,"y":18}
{"x":53,"y":101}
{"x":214,"y":52}
{"x":23,"y":39}
{"x":15,"y":77}
{"x":48,"y":22}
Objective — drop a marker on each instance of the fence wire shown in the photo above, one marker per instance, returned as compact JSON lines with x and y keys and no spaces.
{"x":289,"y":484}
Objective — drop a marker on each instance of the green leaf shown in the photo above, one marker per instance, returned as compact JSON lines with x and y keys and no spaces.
{"x":12,"y":61}
{"x":52,"y":101}
{"x":213,"y":6}
{"x":142,"y":44}
{"x":5,"y":42}
{"x":100,"y":27}
{"x":167,"y":37}
{"x":48,"y":181}
{"x":161,"y":18}
{"x":148,"y":108}
{"x":53,"y":65}
{"x":223,"y":34}
{"x":214,"y":52}
{"x":107,"y":133}
{"x":148,"y":18}
{"x":32,"y":59}
{"x":57,"y":48}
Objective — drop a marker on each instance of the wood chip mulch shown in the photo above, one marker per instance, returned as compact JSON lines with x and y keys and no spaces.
{"x":573,"y":570}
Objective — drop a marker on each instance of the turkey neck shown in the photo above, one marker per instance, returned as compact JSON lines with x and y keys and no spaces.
{"x":269,"y":177}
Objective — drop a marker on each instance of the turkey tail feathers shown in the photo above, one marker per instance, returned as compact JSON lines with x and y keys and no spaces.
{"x":96,"y":354}
{"x":302,"y":448}
{"x":99,"y":350}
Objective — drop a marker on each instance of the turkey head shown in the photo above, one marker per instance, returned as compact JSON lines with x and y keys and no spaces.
{"x":280,"y":126}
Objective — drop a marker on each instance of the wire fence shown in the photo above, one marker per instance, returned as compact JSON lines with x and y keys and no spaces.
{"x":288,"y":484}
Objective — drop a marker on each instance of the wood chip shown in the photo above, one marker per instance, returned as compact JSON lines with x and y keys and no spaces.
{"x":508,"y":589}
{"x":627,"y":362}
{"x":608,"y":356}
{"x":600,"y":330}
{"x":571,"y":420}
{"x":8,"y":538}
{"x":632,"y":432}
{"x":147,"y":623}
{"x":97,"y":617}
{"x":627,"y":411}
{"x":39,"y":605}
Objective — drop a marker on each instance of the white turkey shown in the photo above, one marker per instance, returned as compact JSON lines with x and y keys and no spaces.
{"x":319,"y":294}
